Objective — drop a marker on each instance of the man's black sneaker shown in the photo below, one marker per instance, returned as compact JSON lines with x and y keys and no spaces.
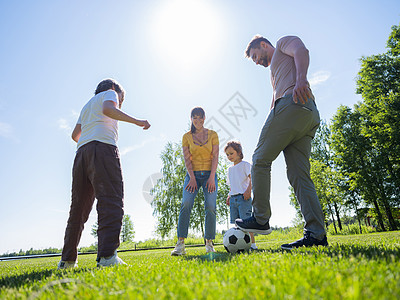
{"x":306,"y":241}
{"x":251,"y":225}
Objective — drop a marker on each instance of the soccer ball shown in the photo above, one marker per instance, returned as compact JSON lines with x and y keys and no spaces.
{"x":236,"y":240}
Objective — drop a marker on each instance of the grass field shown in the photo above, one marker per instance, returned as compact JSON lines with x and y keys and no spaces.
{"x":352,"y":267}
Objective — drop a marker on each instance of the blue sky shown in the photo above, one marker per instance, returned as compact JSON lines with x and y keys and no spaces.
{"x":170,"y":56}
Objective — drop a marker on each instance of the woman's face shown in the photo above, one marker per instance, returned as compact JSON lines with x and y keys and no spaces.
{"x":198,"y":122}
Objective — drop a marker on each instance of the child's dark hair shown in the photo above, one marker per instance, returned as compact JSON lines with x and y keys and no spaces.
{"x":110,"y":84}
{"x":237,"y":146}
{"x":197,"y":111}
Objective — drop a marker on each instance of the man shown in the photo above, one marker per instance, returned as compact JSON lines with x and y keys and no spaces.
{"x":290,"y":127}
{"x":97,"y":174}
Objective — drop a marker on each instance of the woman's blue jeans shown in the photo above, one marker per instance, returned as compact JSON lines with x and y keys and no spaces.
{"x":210,"y":205}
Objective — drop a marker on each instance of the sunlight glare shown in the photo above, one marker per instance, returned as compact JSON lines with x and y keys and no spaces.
{"x":185,"y":33}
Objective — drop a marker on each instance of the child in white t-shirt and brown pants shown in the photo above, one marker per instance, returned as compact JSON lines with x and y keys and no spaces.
{"x":239,"y":180}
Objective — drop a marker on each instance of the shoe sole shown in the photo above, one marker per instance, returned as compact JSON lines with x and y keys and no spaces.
{"x":259,"y":231}
{"x":291,"y":248}
{"x":176,"y":254}
{"x":286,"y":248}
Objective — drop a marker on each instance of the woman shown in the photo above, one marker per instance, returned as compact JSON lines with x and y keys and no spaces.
{"x":200,"y":150}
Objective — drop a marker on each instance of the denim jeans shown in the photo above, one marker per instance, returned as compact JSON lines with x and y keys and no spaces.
{"x":290,"y":127}
{"x":239,"y":208}
{"x":210,"y":205}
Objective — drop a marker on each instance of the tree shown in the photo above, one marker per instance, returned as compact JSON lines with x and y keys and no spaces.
{"x":354,"y":156}
{"x":168,"y":193}
{"x":94,"y":228}
{"x":379,"y":84}
{"x":323,"y":153}
{"x":326,"y":181}
{"x":127,"y":231}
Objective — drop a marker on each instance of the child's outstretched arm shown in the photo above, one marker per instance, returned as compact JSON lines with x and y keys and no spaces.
{"x":111,"y":110}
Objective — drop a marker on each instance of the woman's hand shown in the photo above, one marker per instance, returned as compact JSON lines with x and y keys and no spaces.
{"x":210,"y":185}
{"x":192,"y":185}
{"x":228,"y":200}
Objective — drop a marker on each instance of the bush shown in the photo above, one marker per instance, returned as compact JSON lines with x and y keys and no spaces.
{"x":350,"y":229}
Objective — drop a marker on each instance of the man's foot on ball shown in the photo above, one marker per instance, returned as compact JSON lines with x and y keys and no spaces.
{"x":251,"y":225}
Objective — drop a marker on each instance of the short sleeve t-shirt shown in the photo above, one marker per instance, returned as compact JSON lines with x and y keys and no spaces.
{"x":94,"y":124}
{"x":238,"y":177}
{"x":283,"y":69}
{"x":201,"y":156}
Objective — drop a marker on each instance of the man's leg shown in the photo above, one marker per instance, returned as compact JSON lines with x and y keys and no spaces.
{"x":297,"y":156}
{"x":279,"y":130}
{"x":276,"y":134}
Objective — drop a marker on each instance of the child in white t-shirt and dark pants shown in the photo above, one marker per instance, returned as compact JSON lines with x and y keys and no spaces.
{"x":239,"y":180}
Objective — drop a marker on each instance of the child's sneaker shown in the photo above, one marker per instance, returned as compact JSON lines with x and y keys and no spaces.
{"x":209,"y":247}
{"x":253,"y":247}
{"x":67,"y":265}
{"x":179,"y":248}
{"x":110,"y":261}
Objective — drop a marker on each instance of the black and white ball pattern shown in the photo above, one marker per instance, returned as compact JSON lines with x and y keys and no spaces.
{"x":236,"y":240}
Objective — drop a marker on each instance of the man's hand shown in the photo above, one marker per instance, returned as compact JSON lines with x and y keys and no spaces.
{"x":302,"y":92}
{"x":228,"y":200}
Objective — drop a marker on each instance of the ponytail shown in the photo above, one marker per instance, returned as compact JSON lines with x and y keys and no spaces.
{"x":192,"y":129}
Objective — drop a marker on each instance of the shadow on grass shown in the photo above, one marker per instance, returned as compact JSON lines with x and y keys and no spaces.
{"x":225,"y":256}
{"x":346,"y":251}
{"x":17,"y":281}
{"x":380,"y":252}
{"x":212,"y":256}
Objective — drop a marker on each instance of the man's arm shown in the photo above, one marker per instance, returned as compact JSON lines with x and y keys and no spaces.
{"x":111,"y":110}
{"x":301,"y":57}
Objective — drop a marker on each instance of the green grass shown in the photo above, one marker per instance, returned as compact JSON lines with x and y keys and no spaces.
{"x":352,"y":267}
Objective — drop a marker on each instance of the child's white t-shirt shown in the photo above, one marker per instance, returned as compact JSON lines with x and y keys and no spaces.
{"x":94,"y":124}
{"x":238,"y":177}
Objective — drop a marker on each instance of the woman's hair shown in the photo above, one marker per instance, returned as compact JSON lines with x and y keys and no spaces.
{"x":197,"y":111}
{"x":237,"y":146}
{"x":255,"y":44}
{"x":110,"y":84}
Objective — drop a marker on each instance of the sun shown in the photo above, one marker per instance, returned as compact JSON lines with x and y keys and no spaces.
{"x":185,"y":32}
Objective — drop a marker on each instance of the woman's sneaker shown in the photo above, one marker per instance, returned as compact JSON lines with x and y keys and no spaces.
{"x":67,"y":265}
{"x":110,"y":261}
{"x":179,"y":248}
{"x":209,"y":247}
